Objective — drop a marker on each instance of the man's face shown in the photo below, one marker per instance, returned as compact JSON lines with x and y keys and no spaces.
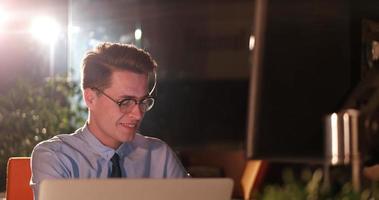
{"x":106,"y":121}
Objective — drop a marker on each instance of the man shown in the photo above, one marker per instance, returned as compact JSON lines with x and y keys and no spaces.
{"x":115,"y":86}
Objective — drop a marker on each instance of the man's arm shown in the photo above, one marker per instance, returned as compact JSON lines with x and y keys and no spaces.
{"x":174,"y":168}
{"x":45,"y":165}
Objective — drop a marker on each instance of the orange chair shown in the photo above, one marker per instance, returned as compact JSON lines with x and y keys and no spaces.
{"x":252,"y":176}
{"x":18,"y":178}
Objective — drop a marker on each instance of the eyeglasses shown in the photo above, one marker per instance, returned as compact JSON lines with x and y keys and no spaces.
{"x":126,"y":105}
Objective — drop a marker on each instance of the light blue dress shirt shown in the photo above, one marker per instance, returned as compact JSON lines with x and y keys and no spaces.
{"x":82,"y":155}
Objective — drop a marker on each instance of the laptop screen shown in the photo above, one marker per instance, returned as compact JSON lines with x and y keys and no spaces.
{"x":141,"y":189}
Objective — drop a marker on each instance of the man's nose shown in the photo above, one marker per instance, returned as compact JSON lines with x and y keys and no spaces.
{"x":136,"y":112}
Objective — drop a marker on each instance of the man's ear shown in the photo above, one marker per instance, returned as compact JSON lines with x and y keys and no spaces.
{"x":89,"y":97}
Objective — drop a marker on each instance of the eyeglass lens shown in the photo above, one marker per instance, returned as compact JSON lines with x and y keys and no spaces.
{"x":145,"y":105}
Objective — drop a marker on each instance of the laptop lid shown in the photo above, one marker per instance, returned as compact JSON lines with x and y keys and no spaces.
{"x":137,"y":189}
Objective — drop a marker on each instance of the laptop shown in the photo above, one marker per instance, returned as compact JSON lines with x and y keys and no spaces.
{"x":137,"y":189}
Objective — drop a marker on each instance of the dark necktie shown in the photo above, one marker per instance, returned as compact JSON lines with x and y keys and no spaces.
{"x":116,"y":170}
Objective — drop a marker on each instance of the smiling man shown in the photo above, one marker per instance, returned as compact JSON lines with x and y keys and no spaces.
{"x":118,"y":81}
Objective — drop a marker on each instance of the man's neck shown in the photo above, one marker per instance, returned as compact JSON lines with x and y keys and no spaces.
{"x":102,"y":137}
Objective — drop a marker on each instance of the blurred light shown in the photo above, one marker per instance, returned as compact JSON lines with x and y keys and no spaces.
{"x":45,"y":29}
{"x":375,"y":50}
{"x":3,"y":17}
{"x":251,"y":42}
{"x":334,"y":138}
{"x":74,"y":29}
{"x":126,"y":38}
{"x":93,"y":42}
{"x":346,"y":136}
{"x":138,"y":34}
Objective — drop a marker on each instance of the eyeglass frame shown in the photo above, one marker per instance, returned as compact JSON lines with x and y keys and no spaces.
{"x":136,"y":102}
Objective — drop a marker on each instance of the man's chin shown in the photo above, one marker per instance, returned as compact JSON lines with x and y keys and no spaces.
{"x":129,"y":137}
{"x":126,"y":134}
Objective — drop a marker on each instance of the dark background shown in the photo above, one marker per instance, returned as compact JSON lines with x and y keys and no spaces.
{"x":312,"y":61}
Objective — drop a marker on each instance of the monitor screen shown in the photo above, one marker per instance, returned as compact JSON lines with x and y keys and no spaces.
{"x":301,"y":71}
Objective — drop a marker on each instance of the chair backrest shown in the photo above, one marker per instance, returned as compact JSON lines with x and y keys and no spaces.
{"x":18,"y":178}
{"x":252,"y":176}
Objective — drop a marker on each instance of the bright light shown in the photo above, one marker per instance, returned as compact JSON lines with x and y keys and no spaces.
{"x":334,"y":138}
{"x":3,"y":14}
{"x":94,"y":42}
{"x":346,"y":136}
{"x":138,"y":34}
{"x":251,"y":42}
{"x":126,"y":38}
{"x":3,"y":17}
{"x":73,"y":29}
{"x":45,"y":29}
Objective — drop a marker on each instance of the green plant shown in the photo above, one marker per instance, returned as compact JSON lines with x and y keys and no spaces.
{"x":34,"y":111}
{"x":291,"y":189}
{"x":310,"y":187}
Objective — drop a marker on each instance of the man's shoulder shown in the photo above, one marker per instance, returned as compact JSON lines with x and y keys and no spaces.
{"x":51,"y":143}
{"x":56,"y":142}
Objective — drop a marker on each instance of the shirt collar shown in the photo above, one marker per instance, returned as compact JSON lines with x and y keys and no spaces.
{"x":94,"y":143}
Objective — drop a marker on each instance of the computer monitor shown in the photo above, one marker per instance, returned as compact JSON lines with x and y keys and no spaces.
{"x":301,"y":71}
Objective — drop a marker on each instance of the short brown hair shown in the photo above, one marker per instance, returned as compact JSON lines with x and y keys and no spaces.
{"x":98,"y":64}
